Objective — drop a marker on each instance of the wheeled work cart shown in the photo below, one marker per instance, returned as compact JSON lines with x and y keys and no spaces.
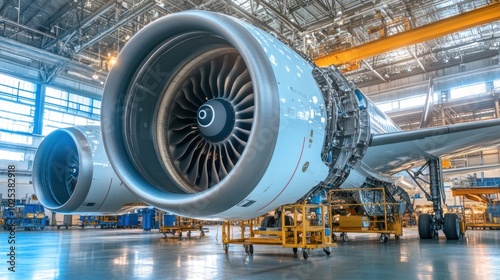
{"x":344,"y":217}
{"x":176,"y":225}
{"x":293,"y":226}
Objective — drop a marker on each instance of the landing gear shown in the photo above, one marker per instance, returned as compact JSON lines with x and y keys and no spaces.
{"x":430,"y":224}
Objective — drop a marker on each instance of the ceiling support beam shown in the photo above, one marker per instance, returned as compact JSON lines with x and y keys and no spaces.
{"x":25,"y":27}
{"x":66,"y":36}
{"x":280,"y":16}
{"x":483,"y":15}
{"x":145,"y":7}
{"x":253,"y":19}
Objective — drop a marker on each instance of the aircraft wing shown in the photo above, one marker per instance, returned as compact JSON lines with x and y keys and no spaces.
{"x":396,"y":151}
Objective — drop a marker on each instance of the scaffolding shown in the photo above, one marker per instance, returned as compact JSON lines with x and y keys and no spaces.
{"x":485,"y":216}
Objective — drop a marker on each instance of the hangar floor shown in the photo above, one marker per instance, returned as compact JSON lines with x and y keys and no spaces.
{"x":135,"y":254}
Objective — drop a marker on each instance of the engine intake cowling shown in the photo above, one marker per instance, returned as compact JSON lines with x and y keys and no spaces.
{"x":71,"y":174}
{"x":207,"y":116}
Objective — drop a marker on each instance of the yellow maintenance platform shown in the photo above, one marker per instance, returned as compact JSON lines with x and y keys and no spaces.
{"x":293,"y":226}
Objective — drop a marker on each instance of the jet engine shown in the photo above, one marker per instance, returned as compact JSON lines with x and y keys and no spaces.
{"x":71,"y":174}
{"x":207,"y":116}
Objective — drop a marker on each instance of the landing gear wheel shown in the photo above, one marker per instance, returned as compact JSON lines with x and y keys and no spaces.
{"x":295,"y":251}
{"x":396,"y":236}
{"x":334,"y":237}
{"x":327,"y":252}
{"x":304,"y":254}
{"x":225,"y":247}
{"x":246,"y":248}
{"x":180,"y":234}
{"x":424,"y":226}
{"x":202,"y":233}
{"x":189,"y":234}
{"x":451,"y":226}
{"x":250,"y":249}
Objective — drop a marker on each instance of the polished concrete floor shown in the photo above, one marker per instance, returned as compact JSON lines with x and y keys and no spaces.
{"x":135,"y":254}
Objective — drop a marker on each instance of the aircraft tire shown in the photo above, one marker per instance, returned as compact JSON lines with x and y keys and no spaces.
{"x":424,"y":226}
{"x":451,"y":226}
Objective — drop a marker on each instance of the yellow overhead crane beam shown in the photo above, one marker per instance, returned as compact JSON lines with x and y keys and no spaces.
{"x":475,"y":191}
{"x":483,"y":15}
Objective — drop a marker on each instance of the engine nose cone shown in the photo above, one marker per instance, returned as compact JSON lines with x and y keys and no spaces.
{"x":216,"y":119}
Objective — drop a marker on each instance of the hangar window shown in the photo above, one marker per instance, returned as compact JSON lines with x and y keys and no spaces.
{"x":17,"y":104}
{"x":468,"y":91}
{"x":64,"y":109}
{"x":401,"y":104}
{"x":53,"y":120}
{"x":63,"y":101}
{"x":496,"y":84}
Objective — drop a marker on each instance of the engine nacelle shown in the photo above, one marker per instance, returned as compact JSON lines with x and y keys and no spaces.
{"x":207,"y":116}
{"x":71,"y":174}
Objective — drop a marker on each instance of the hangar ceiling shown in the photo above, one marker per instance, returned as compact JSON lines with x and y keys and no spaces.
{"x":84,"y":37}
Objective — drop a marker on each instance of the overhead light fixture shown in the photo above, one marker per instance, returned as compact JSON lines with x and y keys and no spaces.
{"x":95,"y":76}
{"x":339,"y":12}
{"x":309,"y":41}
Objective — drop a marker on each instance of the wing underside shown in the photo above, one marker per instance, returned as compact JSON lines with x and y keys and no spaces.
{"x":390,"y":153}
